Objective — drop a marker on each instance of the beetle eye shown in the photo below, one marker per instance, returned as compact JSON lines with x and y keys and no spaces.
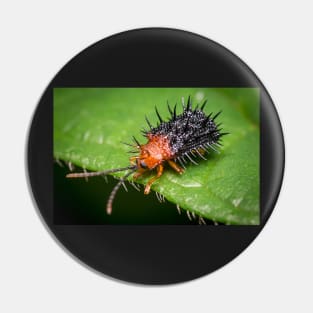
{"x":143,"y":164}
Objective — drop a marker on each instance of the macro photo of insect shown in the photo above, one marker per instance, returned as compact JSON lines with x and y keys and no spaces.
{"x":184,"y":156}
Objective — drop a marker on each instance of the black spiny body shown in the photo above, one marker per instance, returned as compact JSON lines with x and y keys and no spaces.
{"x":190,"y":133}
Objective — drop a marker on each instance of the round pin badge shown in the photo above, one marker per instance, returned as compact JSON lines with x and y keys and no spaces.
{"x":155,"y":156}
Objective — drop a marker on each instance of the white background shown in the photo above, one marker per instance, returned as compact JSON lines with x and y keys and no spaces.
{"x":274,"y":38}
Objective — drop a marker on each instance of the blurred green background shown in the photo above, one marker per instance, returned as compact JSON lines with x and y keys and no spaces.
{"x":91,"y":123}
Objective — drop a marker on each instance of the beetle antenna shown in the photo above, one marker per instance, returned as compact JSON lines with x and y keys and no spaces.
{"x":115,"y":190}
{"x":89,"y":174}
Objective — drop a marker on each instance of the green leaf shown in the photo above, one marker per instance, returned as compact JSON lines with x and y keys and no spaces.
{"x":91,"y":123}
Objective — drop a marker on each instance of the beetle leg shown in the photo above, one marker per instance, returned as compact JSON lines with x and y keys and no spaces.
{"x":153,"y":179}
{"x":177,"y":168}
{"x":139,"y":173}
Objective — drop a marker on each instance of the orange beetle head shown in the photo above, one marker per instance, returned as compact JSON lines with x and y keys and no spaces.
{"x":154,"y":152}
{"x":147,"y":160}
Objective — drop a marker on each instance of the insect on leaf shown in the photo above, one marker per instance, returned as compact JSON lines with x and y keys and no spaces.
{"x":90,"y":125}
